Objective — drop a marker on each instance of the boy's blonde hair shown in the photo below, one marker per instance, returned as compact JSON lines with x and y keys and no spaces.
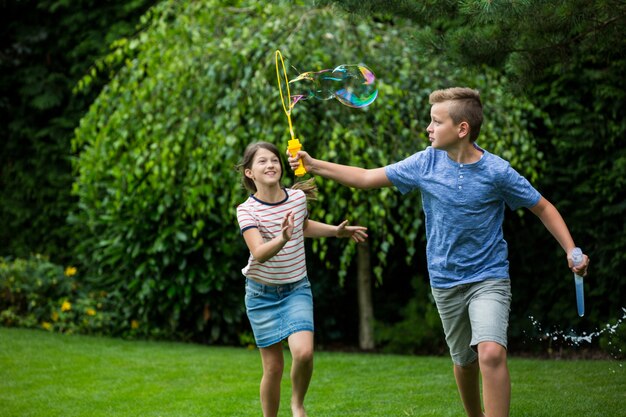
{"x":465,"y":106}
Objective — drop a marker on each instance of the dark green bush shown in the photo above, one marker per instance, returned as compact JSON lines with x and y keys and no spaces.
{"x":419,"y":331}
{"x":47,"y":46}
{"x":36,"y":293}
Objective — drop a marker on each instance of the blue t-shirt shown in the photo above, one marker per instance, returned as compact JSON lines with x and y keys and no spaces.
{"x":464,"y":208}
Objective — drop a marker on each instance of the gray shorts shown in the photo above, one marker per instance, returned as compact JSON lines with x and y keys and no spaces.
{"x":474,"y":313}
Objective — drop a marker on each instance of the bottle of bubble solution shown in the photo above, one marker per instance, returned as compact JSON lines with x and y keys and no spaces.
{"x":577,"y":258}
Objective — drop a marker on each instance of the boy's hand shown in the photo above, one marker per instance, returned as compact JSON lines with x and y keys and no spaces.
{"x":580,"y":270}
{"x":307,"y":160}
{"x":357,"y":233}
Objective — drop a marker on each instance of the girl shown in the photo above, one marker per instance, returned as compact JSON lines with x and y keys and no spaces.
{"x":274,"y":222}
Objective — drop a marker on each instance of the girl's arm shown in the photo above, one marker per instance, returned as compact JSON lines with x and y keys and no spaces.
{"x":261,"y":250}
{"x":317,"y":229}
{"x":551,"y":218}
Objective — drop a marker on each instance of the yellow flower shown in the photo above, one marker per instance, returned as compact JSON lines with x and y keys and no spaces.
{"x":134,"y":324}
{"x":70,"y":271}
{"x":55,"y":316}
{"x":90,"y":312}
{"x":46,"y":325}
{"x":66,"y":306}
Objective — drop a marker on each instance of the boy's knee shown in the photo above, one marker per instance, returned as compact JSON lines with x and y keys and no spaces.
{"x":469,"y":366}
{"x":491,"y":354}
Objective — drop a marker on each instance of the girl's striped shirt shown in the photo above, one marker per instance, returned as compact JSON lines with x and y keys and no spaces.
{"x":289,"y":264}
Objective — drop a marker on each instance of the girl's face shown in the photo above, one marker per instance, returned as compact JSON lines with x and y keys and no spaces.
{"x":265,"y":169}
{"x":442,"y":132}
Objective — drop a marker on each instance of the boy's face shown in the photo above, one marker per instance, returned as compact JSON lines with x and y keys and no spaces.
{"x":442,"y":132}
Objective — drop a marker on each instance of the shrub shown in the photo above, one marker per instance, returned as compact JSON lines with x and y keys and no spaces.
{"x":36,"y":293}
{"x":419,"y":331}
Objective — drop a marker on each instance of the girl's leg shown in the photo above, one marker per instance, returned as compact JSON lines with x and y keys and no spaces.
{"x":301,"y":346}
{"x":496,"y":380}
{"x":273,"y":364}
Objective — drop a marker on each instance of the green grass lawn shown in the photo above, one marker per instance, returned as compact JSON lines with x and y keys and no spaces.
{"x":44,"y":374}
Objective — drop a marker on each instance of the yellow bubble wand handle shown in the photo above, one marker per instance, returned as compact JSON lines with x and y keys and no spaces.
{"x":294,"y":144}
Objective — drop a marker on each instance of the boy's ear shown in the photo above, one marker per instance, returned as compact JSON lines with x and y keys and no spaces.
{"x":248,"y":173}
{"x":464,"y":129}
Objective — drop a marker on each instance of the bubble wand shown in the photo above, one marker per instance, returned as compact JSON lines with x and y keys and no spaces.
{"x":577,"y":259}
{"x":294,"y":145}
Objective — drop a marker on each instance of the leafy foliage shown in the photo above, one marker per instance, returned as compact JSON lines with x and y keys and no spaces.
{"x":568,"y":60}
{"x":45,"y":47}
{"x":524,"y":38}
{"x":585,"y":171}
{"x":36,"y":293}
{"x":156,"y":188}
{"x":419,"y":331}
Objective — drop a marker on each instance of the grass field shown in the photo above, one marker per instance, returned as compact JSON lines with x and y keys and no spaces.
{"x":44,"y":374}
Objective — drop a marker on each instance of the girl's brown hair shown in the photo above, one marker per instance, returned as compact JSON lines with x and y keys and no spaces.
{"x":308,"y":186}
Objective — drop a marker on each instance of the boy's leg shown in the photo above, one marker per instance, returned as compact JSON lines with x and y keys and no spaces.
{"x":468,"y":384}
{"x":452,"y":307}
{"x":301,"y":346}
{"x":496,"y":380}
{"x":273,"y":363}
{"x":489,"y":305}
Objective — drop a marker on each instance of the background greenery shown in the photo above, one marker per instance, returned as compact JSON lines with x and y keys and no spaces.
{"x":46,"y":47}
{"x":568,"y":59}
{"x":168,"y":99}
{"x":159,"y":142}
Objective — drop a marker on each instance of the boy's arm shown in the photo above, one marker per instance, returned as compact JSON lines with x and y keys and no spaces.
{"x":347,"y":175}
{"x":551,"y":218}
{"x":317,"y":229}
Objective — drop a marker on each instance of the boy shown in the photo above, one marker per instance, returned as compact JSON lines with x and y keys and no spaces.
{"x":464,"y":190}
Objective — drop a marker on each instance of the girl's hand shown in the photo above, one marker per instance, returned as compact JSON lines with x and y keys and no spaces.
{"x":357,"y":233}
{"x":287,"y":226}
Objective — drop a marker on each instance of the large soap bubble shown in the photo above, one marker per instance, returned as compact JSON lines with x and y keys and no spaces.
{"x":352,"y":85}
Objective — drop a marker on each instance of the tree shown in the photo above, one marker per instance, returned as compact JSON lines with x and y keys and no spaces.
{"x":45,"y":48}
{"x":154,"y":181}
{"x":364,"y":293}
{"x":524,"y":38}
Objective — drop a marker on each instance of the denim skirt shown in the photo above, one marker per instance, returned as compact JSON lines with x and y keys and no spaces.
{"x":276,"y":312}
